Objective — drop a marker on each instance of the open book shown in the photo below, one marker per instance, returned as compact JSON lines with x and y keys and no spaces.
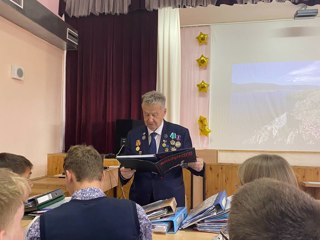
{"x":158,"y":163}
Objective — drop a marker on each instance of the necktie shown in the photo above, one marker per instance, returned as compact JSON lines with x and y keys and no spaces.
{"x":153,"y":144}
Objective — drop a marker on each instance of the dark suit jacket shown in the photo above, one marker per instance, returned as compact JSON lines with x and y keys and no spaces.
{"x":148,"y":187}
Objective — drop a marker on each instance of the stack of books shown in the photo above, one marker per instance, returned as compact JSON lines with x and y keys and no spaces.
{"x":160,"y":208}
{"x":217,"y":222}
{"x":170,"y":224}
{"x":165,"y":216}
{"x":210,"y":208}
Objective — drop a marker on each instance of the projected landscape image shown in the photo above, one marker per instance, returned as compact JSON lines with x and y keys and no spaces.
{"x":277,"y":104}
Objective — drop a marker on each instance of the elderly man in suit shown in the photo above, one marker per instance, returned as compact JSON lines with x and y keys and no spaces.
{"x":157,"y":136}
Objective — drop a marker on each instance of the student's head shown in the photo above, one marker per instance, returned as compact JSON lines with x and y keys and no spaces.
{"x":84,"y":163}
{"x":266,"y":165}
{"x":154,"y":109}
{"x":16,"y":163}
{"x":269,"y":209}
{"x":14,"y":189}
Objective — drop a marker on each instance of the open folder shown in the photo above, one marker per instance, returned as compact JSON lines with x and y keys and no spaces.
{"x":158,"y":163}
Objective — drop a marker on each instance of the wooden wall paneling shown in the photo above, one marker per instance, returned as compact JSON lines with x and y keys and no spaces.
{"x":198,"y":191}
{"x":224,"y":176}
{"x":209,"y":155}
{"x":221,"y":177}
{"x":307,"y":173}
{"x":187,"y":186}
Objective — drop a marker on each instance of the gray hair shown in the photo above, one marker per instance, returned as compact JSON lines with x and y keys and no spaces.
{"x":153,"y":97}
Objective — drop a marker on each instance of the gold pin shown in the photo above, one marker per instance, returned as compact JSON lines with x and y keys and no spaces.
{"x":178,"y":144}
{"x":137,"y":149}
{"x":172,"y":142}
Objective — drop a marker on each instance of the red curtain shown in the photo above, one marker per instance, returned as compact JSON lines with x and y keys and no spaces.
{"x":116,"y":62}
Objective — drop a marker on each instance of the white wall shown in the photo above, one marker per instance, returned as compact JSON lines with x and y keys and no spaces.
{"x":31,"y":120}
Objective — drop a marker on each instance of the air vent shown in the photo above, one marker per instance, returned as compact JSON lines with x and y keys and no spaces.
{"x":72,"y":36}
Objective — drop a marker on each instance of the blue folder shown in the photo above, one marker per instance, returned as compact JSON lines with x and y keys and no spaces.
{"x":175,"y":219}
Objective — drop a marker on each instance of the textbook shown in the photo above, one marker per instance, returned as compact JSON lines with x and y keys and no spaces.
{"x":159,"y":163}
{"x":171,"y":223}
{"x":160,"y":208}
{"x":43,"y":200}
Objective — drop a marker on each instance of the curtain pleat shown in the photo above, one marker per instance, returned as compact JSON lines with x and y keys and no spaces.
{"x":80,"y":8}
{"x":169,"y":58}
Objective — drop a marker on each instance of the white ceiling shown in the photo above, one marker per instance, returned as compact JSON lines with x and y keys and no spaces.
{"x":239,"y":13}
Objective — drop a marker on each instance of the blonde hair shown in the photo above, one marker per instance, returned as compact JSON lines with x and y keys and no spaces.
{"x":266,"y":165}
{"x":13,"y":191}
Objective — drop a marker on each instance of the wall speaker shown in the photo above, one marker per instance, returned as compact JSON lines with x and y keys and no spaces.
{"x":123,"y":126}
{"x":17,"y":72}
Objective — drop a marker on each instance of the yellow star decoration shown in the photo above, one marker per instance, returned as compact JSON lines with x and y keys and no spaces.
{"x":202,"y":38}
{"x":203,"y":61}
{"x":203,"y":86}
{"x":203,"y":126}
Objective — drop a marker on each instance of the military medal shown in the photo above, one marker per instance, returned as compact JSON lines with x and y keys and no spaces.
{"x":138,"y":143}
{"x":144,"y":136}
{"x":173,"y":135}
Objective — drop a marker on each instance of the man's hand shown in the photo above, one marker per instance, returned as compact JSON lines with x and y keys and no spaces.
{"x":197,"y":166}
{"x":127,"y":173}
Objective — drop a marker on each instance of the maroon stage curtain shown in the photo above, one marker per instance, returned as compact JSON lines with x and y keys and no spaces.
{"x":115,"y":64}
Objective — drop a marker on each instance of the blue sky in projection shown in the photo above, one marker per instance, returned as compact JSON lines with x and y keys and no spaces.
{"x":280,"y":73}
